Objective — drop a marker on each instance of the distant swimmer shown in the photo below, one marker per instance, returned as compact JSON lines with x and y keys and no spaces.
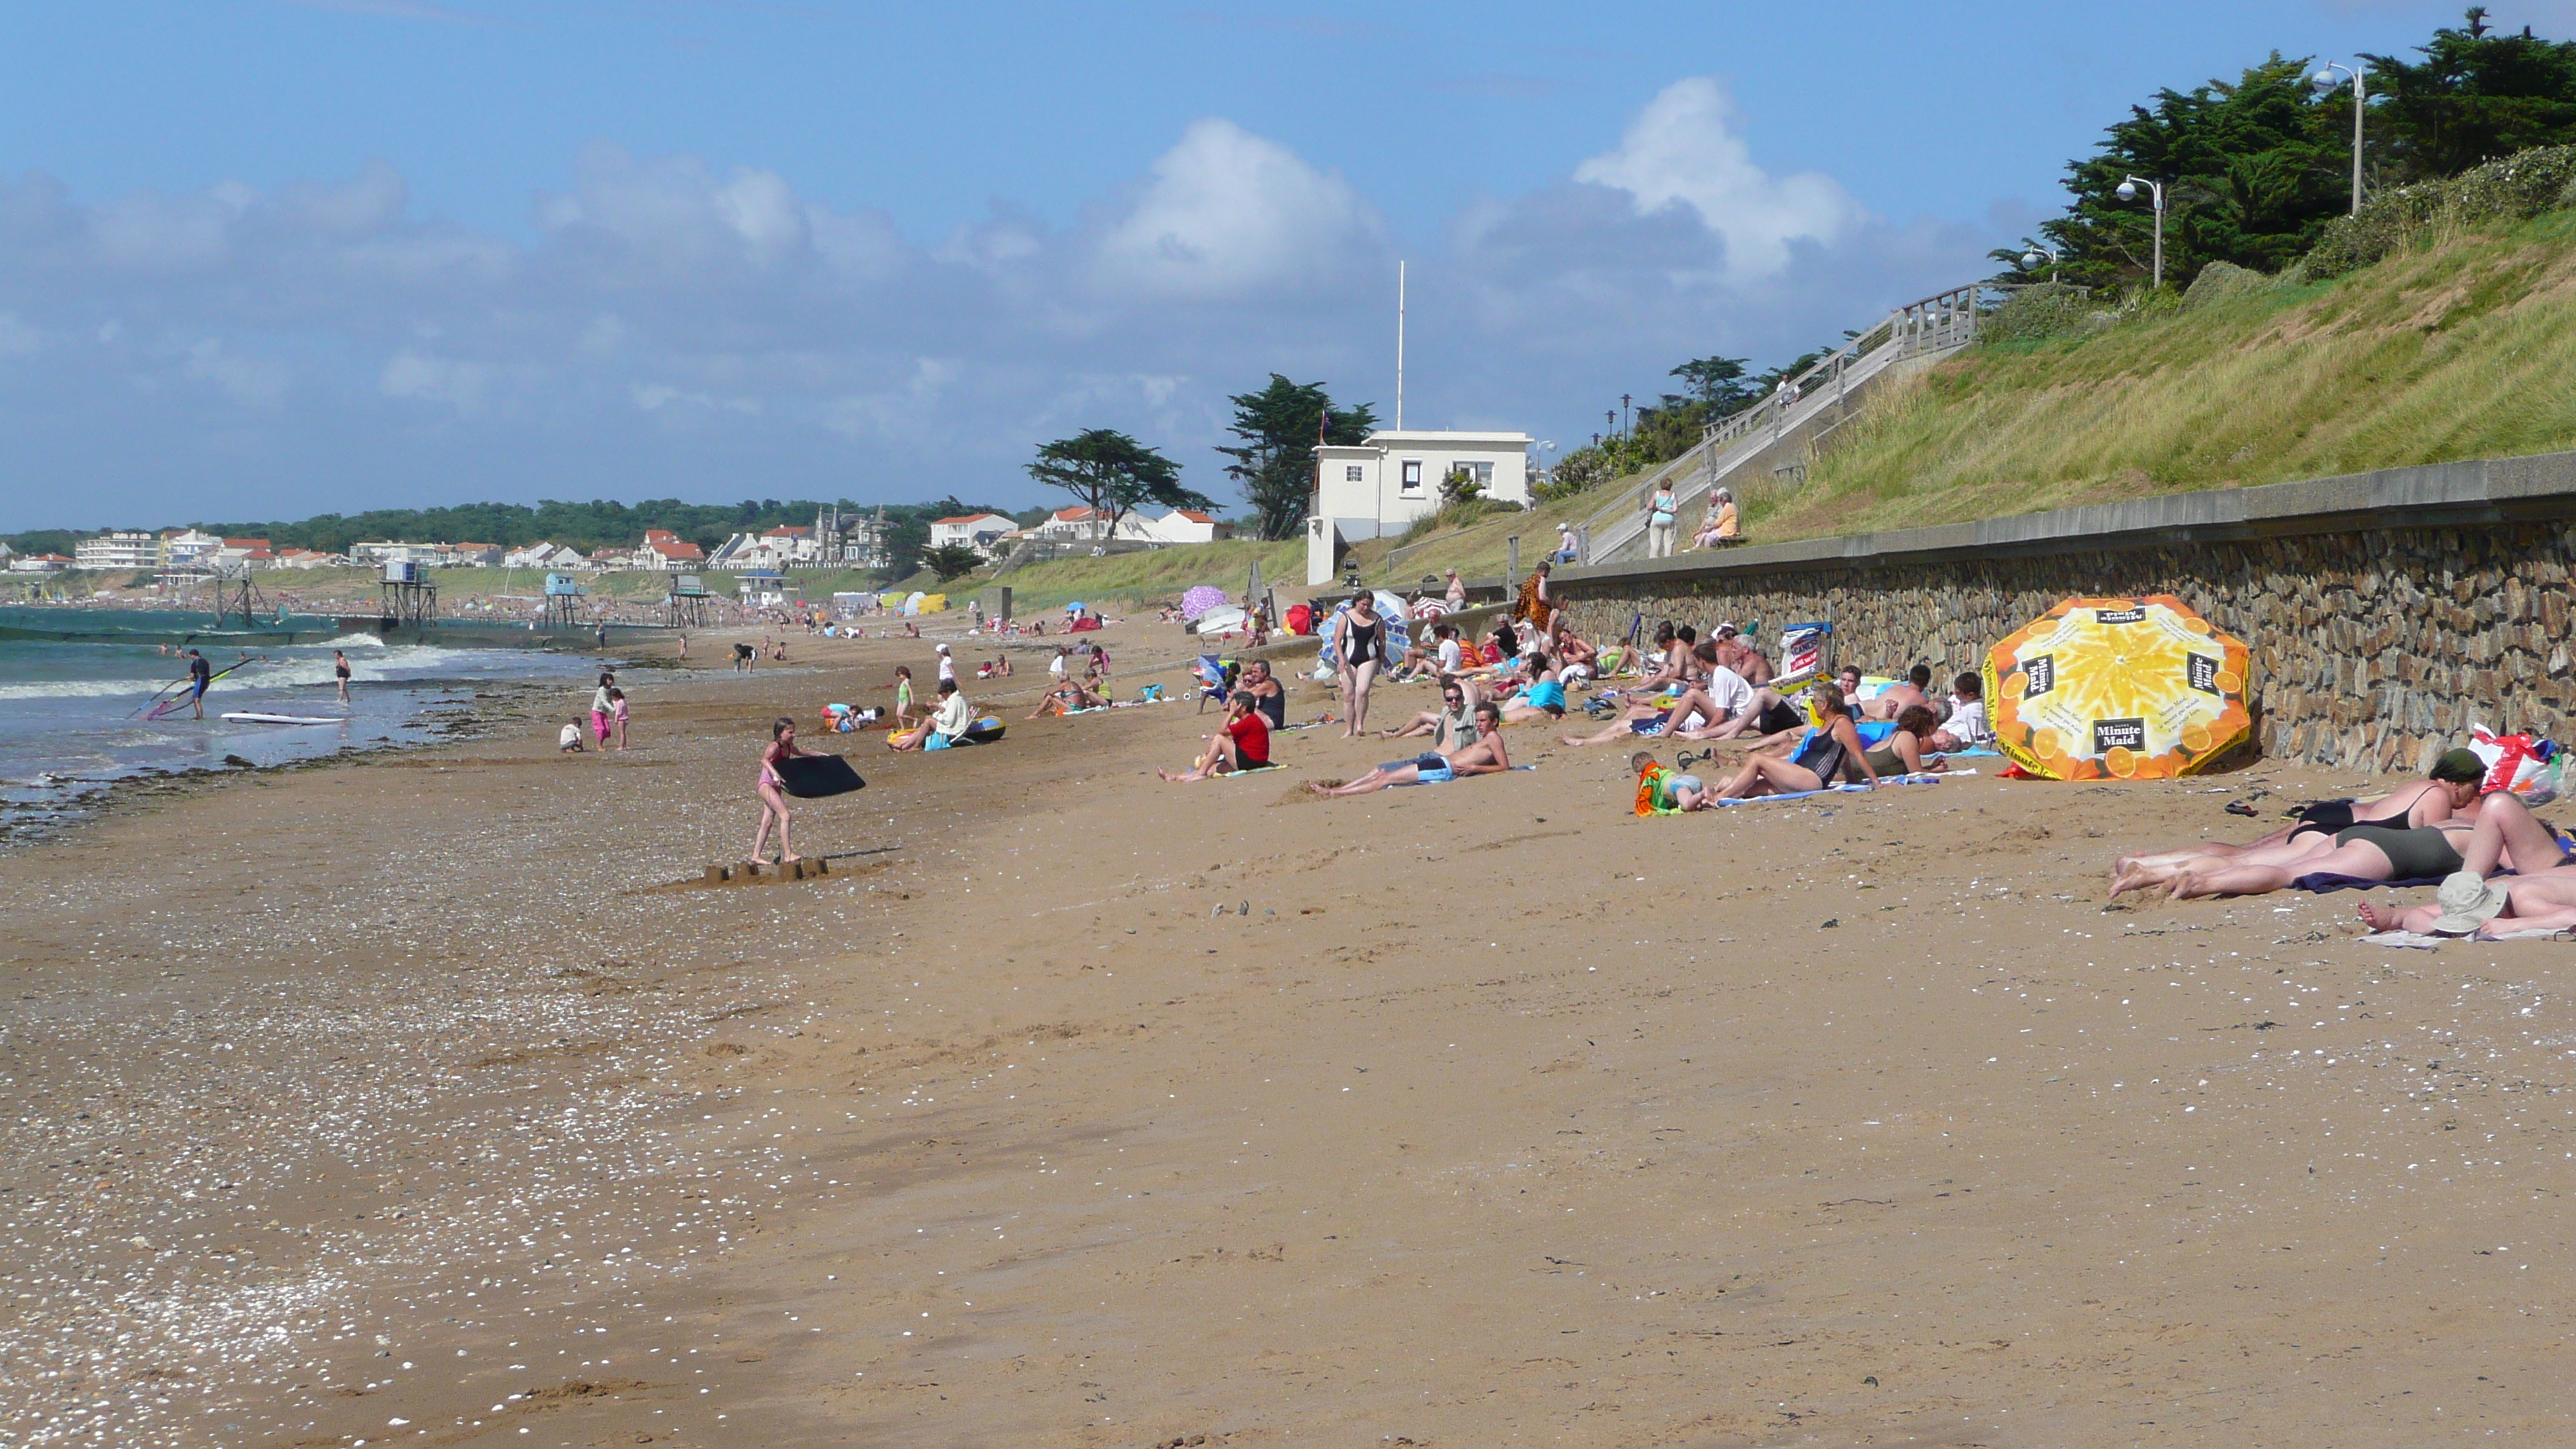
{"x":340,"y":672}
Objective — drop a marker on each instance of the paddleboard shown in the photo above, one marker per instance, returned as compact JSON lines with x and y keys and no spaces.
{"x":812,"y":777}
{"x":244,"y":716}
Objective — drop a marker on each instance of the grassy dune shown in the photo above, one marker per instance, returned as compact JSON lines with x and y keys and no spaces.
{"x":2466,"y":350}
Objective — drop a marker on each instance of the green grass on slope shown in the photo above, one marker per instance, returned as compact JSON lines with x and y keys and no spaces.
{"x":2464,"y":351}
{"x":1143,"y":579}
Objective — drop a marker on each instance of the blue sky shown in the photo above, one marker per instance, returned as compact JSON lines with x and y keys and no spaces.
{"x":261,"y":259}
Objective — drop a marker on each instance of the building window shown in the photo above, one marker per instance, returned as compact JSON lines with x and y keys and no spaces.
{"x":1482,"y":473}
{"x":1350,"y":472}
{"x":1412,"y":475}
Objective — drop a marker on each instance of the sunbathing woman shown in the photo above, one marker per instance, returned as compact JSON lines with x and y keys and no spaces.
{"x":1542,"y":698}
{"x":2505,"y":835}
{"x":1832,"y":749}
{"x":1901,"y":753}
{"x":2450,"y":790}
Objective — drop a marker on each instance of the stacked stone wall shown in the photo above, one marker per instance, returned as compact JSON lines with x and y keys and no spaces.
{"x":2373,"y":649}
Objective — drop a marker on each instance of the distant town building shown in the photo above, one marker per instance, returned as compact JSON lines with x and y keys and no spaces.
{"x":39,"y":563}
{"x":978,"y":531}
{"x":120,"y":549}
{"x":1187,"y":525}
{"x":308,"y":558}
{"x":665,"y":550}
{"x":544,"y":556}
{"x":844,"y":539}
{"x":474,"y":555}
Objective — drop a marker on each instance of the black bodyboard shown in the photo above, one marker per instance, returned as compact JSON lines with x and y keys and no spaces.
{"x":812,"y":777}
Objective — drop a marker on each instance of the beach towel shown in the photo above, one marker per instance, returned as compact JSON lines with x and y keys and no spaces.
{"x":1925,"y":779}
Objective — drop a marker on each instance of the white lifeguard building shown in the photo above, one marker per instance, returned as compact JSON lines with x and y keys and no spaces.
{"x":1382,"y":485}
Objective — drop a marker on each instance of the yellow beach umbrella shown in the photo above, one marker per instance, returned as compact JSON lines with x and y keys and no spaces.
{"x":2124,"y":689}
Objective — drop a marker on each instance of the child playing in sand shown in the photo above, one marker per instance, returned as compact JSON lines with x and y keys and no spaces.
{"x":772,"y":790}
{"x":568,"y":740}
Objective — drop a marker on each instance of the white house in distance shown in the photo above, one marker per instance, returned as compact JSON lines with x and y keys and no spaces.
{"x":978,"y":531}
{"x":1381,"y":486}
{"x":1181,"y":525}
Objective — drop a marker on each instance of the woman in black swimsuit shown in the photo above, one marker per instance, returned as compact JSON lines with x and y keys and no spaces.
{"x":2450,"y":792}
{"x":1360,"y":641}
{"x":1831,"y":752}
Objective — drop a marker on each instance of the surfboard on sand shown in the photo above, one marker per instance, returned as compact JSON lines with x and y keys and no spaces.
{"x":246,"y":716}
{"x":812,"y":777}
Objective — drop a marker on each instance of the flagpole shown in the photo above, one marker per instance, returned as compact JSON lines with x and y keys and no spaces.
{"x":1399,"y":347}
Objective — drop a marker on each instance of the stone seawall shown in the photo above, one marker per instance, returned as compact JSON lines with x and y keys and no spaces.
{"x":2379,"y":634}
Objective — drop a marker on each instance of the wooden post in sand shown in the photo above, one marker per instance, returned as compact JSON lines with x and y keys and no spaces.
{"x":1512,"y":568}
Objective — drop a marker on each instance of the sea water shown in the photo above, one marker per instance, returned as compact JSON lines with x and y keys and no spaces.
{"x":72,"y":711}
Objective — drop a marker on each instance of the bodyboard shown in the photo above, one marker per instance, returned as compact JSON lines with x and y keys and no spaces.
{"x":984,"y":731}
{"x":813,"y":777}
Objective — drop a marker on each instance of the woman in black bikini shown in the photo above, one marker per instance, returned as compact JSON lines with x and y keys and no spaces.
{"x":1360,"y":641}
{"x":2505,"y":836}
{"x":2450,"y":792}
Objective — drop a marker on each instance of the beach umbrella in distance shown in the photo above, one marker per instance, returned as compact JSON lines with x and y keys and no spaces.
{"x":1199,"y":598}
{"x":2117,"y":689}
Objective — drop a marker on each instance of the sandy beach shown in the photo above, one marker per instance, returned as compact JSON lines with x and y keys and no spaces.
{"x":423,"y":1099}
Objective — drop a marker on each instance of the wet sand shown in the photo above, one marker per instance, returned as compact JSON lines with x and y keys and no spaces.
{"x":391,"y":1102}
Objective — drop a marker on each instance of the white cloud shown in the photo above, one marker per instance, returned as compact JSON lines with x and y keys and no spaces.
{"x":250,"y":381}
{"x":435,"y":379}
{"x":1683,"y":149}
{"x":677,"y":328}
{"x":1229,"y":215}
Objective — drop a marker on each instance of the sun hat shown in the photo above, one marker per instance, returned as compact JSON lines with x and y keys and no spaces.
{"x":1725,"y":631}
{"x":2468,"y":901}
{"x":943,"y":648}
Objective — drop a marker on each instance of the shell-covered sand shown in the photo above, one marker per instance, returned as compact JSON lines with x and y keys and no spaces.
{"x":388,"y":1102}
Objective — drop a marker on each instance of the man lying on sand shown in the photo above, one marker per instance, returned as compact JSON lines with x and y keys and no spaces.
{"x":1486,"y":756}
{"x":2450,"y":791}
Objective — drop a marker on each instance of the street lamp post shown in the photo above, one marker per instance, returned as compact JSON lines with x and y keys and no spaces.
{"x":2039,"y":252}
{"x":2324,"y":81}
{"x":2129,"y":192}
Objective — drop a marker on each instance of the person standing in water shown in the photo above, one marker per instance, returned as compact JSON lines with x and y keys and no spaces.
{"x":340,"y":672}
{"x":773,"y":790}
{"x":200,"y":674}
